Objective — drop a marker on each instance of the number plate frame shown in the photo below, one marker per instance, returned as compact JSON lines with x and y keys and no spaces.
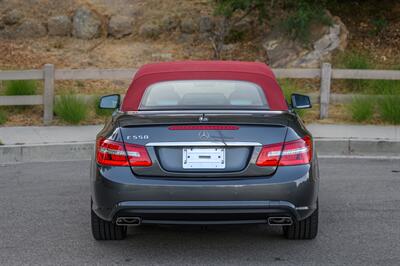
{"x":203,"y":158}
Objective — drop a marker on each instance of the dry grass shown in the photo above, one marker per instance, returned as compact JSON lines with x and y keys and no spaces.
{"x":134,"y":51}
{"x":33,"y":116}
{"x":23,"y":116}
{"x":338,"y":114}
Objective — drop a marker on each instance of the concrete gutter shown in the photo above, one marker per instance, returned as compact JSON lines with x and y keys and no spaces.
{"x":357,"y":147}
{"x":10,"y":154}
{"x":46,"y":152}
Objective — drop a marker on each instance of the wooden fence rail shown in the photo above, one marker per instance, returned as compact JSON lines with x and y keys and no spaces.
{"x":49,"y":75}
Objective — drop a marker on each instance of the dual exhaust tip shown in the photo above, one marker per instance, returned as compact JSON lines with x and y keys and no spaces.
{"x":273,"y":221}
{"x":280,"y":221}
{"x":128,"y":221}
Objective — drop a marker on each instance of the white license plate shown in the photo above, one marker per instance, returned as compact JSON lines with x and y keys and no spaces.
{"x":203,"y":158}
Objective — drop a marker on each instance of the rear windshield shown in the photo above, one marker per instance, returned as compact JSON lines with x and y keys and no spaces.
{"x":203,"y":94}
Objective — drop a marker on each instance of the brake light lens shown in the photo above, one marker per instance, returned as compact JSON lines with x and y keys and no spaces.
{"x":203,"y":127}
{"x":114,"y":153}
{"x":295,"y":152}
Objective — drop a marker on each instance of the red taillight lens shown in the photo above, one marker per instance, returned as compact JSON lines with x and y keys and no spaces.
{"x":113,"y":153}
{"x":289,"y":153}
{"x":297,"y":152}
{"x":270,"y":155}
{"x":137,"y":155}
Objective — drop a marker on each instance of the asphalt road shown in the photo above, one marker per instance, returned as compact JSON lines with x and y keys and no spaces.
{"x":44,"y":219}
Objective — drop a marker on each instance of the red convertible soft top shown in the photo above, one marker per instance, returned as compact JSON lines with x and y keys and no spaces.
{"x":257,"y":73}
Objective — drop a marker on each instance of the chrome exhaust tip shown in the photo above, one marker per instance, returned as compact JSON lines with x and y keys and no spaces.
{"x":128,"y":221}
{"x":280,"y":221}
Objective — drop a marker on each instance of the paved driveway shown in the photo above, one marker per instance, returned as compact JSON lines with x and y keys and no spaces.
{"x":44,"y":219}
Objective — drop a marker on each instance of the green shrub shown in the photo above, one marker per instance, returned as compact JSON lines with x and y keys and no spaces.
{"x":99,"y":111}
{"x":388,"y":87}
{"x":234,"y":36}
{"x":3,"y":117}
{"x":303,"y":14}
{"x":362,"y":109}
{"x":21,"y":87}
{"x":71,"y":108}
{"x":355,"y":60}
{"x":389,"y":108}
{"x":288,"y":88}
{"x":379,"y":23}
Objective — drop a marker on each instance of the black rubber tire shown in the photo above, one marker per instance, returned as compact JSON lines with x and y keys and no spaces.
{"x":105,"y":230}
{"x":304,"y":229}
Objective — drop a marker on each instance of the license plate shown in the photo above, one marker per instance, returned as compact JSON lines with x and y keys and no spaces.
{"x":203,"y":158}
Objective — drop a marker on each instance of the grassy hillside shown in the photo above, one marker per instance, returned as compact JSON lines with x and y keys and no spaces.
{"x":374,"y":42}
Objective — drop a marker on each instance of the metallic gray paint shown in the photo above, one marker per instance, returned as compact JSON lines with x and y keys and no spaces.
{"x":116,"y":189}
{"x":292,"y":190}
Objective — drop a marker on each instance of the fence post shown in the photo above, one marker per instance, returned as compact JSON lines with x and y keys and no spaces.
{"x":325,"y":90}
{"x":48,"y":95}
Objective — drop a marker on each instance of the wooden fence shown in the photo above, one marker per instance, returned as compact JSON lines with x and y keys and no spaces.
{"x":49,"y":75}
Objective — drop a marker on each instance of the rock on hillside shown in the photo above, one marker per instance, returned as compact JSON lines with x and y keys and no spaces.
{"x":188,"y":25}
{"x":282,"y":51}
{"x":150,"y":30}
{"x":31,"y":29}
{"x":12,"y":17}
{"x":120,"y":26}
{"x":59,"y":26}
{"x":86,"y":24}
{"x":206,"y":24}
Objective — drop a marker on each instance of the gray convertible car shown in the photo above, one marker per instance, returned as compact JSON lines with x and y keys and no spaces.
{"x":204,"y":143}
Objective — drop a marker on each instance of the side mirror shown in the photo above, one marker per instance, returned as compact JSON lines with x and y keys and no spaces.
{"x":110,"y":101}
{"x":300,"y":101}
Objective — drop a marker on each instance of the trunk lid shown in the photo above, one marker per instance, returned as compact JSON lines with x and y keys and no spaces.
{"x":203,"y":145}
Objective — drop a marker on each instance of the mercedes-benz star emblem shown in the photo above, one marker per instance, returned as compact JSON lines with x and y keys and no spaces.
{"x":204,"y":135}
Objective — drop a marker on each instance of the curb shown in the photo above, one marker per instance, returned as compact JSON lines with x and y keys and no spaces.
{"x":46,"y":152}
{"x":10,"y":154}
{"x":357,"y":147}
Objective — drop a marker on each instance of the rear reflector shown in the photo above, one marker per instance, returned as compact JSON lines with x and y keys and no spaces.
{"x":289,"y":153}
{"x":113,"y":153}
{"x":204,"y":127}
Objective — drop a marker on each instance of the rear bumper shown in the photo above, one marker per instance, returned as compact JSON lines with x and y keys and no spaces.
{"x":207,"y":212}
{"x":291,"y":191}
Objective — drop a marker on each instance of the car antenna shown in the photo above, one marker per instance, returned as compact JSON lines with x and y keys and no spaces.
{"x":203,"y":118}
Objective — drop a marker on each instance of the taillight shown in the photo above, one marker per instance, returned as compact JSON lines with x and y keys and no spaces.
{"x":270,"y":155}
{"x":137,"y":155}
{"x":289,"y":153}
{"x":113,"y":153}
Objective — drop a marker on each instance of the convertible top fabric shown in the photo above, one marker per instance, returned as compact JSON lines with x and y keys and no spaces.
{"x":257,"y":73}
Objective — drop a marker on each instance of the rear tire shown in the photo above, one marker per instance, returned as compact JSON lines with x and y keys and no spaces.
{"x":304,"y":229}
{"x":105,"y":230}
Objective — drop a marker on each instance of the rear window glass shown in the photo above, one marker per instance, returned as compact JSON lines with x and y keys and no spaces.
{"x":201,"y":94}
